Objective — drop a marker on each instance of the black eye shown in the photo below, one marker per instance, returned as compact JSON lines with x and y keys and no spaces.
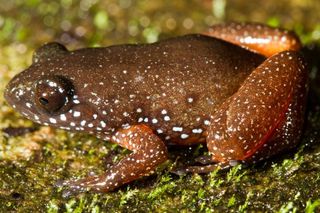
{"x":53,"y":94}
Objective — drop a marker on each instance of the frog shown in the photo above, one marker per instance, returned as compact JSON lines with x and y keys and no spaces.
{"x":239,"y":88}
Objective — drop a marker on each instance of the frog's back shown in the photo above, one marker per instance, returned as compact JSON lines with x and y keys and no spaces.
{"x":172,"y":85}
{"x":192,"y":70}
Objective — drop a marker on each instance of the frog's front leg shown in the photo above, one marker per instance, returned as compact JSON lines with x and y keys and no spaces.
{"x":264,"y":117}
{"x":148,"y":152}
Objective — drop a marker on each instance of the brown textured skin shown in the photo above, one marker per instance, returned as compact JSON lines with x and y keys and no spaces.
{"x":184,"y":90}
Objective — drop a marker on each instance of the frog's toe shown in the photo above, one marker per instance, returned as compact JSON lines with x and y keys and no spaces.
{"x":72,"y":191}
{"x":201,"y":169}
{"x":73,"y":187}
{"x":205,"y":160}
{"x":179,"y":171}
{"x":59,"y":183}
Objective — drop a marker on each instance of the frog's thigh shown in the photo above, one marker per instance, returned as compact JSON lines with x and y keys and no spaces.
{"x":256,"y":37}
{"x":287,"y":134}
{"x":148,"y":152}
{"x":266,"y":107}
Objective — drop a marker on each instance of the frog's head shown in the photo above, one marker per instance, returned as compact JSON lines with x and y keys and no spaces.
{"x":45,"y":93}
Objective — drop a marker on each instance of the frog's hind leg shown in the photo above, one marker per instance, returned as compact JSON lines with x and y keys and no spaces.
{"x":259,"y":117}
{"x":256,"y":37}
{"x":148,"y":152}
{"x":264,"y":117}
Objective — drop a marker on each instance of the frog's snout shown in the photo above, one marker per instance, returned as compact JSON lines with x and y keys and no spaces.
{"x":8,"y":93}
{"x":17,"y":93}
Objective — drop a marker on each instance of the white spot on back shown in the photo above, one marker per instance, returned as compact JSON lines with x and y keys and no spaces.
{"x":63,"y":117}
{"x":177,"y":129}
{"x":76,"y":114}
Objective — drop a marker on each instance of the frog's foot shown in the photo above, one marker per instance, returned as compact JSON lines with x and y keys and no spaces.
{"x":148,"y":152}
{"x":103,"y":183}
{"x":208,"y":165}
{"x":202,"y":169}
{"x":74,"y":186}
{"x":205,"y":160}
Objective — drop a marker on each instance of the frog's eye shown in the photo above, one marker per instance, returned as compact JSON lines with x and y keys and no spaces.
{"x":53,"y":94}
{"x":49,"y":51}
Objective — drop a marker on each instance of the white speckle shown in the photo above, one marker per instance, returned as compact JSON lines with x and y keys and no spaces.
{"x":52,"y":84}
{"x":126,"y":114}
{"x":76,"y":101}
{"x":154,"y":121}
{"x":103,"y":124}
{"x":184,"y":136}
{"x":190,"y":100}
{"x":159,"y":131}
{"x":72,"y":124}
{"x":206,"y":122}
{"x":197,"y":131}
{"x":126,"y":126}
{"x":177,"y":129}
{"x":163,"y":112}
{"x":83,"y":122}
{"x":104,"y":112}
{"x":29,"y":105}
{"x":76,"y":114}
{"x":166,"y":118}
{"x":63,"y":117}
{"x":94,"y":116}
{"x":140,"y":120}
{"x":138,"y":78}
{"x":90,"y":125}
{"x":139,"y":110}
{"x":146,"y":120}
{"x":52,"y":120}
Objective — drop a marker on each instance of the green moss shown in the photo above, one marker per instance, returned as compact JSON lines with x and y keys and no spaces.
{"x":288,"y":207}
{"x":31,"y":164}
{"x":312,"y":206}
